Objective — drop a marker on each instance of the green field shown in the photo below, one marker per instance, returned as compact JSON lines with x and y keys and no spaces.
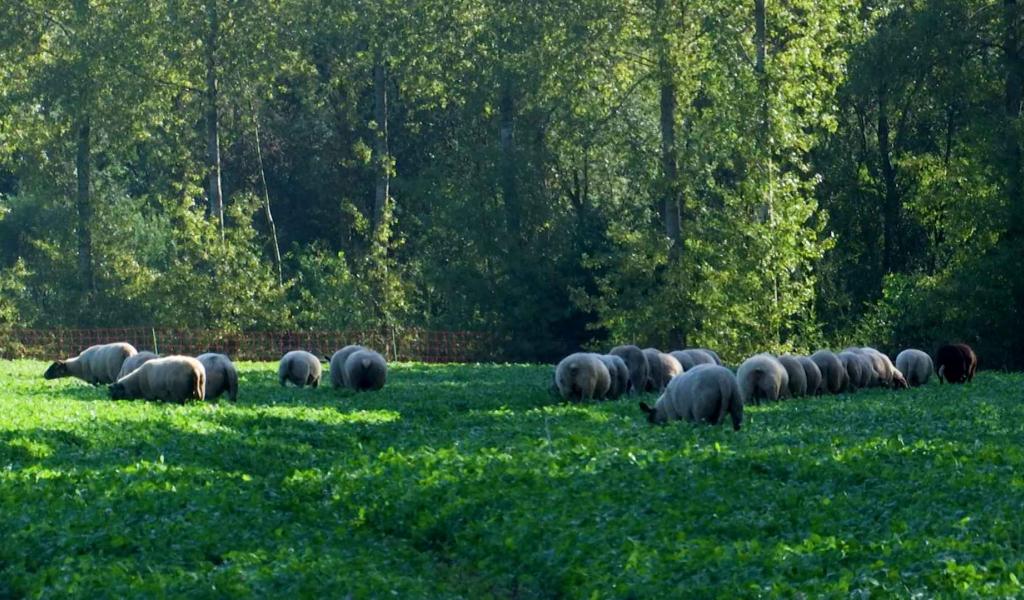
{"x":469,"y":481}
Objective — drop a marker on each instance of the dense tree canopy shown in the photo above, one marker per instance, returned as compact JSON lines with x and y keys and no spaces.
{"x":747,"y":176}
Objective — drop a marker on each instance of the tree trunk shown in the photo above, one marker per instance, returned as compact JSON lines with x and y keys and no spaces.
{"x":1014,"y":96}
{"x":764,"y":125}
{"x":671,"y":208}
{"x":507,"y":165}
{"x":83,"y":202}
{"x":266,"y":196}
{"x":891,"y":207}
{"x":216,"y":197}
{"x":380,"y":115}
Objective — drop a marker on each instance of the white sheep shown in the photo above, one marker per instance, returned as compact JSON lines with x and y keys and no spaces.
{"x":704,"y":394}
{"x":812,"y":374}
{"x":915,"y":365}
{"x":797,"y":376}
{"x":639,"y":370}
{"x":135,"y":361}
{"x":96,"y":364}
{"x":833,"y":373}
{"x":170,"y":379}
{"x":299,"y":367}
{"x":221,"y":376}
{"x":619,"y":374}
{"x":338,"y":364}
{"x":365,"y":370}
{"x":582,"y":376}
{"x":762,"y":376}
{"x":663,"y":367}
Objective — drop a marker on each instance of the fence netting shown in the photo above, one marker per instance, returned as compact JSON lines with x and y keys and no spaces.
{"x":406,"y":345}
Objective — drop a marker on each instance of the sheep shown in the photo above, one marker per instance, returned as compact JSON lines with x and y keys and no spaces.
{"x":812,"y":374}
{"x":704,"y":394}
{"x":885,"y":371}
{"x":171,"y":379}
{"x":691,"y":357}
{"x":956,"y":363}
{"x":663,"y":367}
{"x":833,"y":373}
{"x":858,"y":369}
{"x":338,"y":364}
{"x":797,"y":376}
{"x":619,"y":374}
{"x":762,"y":376}
{"x":915,"y":365}
{"x":221,"y":376}
{"x":365,"y":370}
{"x":713,"y":355}
{"x":299,"y":367}
{"x":96,"y":364}
{"x":582,"y":376}
{"x":639,"y":370}
{"x":135,"y":361}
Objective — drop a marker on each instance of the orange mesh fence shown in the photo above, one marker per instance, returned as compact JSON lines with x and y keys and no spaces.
{"x":407,"y":345}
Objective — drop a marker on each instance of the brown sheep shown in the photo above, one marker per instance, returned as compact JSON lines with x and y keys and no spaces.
{"x":96,"y":364}
{"x":170,"y":379}
{"x":956,"y":363}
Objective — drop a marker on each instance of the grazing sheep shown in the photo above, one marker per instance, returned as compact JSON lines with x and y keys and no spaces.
{"x":704,"y":394}
{"x":762,"y":376}
{"x":898,"y":381}
{"x":171,"y":379}
{"x":639,"y":370}
{"x":812,"y":374}
{"x":713,"y":355}
{"x":338,"y":364}
{"x":663,"y":367}
{"x":135,"y":361}
{"x":833,"y":373}
{"x":299,"y":367}
{"x":858,"y":370}
{"x":883,"y":367}
{"x":691,"y":357}
{"x":95,"y":365}
{"x":582,"y":376}
{"x":221,"y":376}
{"x":365,"y":370}
{"x":797,"y":375}
{"x":956,"y":363}
{"x":915,"y":365}
{"x":619,"y":374}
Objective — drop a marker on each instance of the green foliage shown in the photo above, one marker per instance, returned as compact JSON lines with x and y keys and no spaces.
{"x":466,"y":481}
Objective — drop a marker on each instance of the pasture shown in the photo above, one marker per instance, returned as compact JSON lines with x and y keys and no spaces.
{"x":471,"y":481}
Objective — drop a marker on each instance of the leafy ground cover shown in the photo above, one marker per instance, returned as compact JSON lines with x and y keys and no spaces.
{"x":468,"y":481}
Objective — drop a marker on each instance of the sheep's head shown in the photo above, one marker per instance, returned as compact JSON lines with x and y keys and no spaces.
{"x":898,"y":380}
{"x":653,"y":416}
{"x":117,"y":392}
{"x":57,"y":369}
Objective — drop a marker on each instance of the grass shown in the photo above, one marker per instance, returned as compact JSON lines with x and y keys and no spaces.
{"x":468,"y":481}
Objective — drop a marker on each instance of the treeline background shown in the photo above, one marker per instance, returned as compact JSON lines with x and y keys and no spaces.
{"x":739,"y":175}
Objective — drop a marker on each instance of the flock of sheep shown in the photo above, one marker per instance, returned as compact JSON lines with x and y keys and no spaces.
{"x":696,"y":387}
{"x":134,"y":374}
